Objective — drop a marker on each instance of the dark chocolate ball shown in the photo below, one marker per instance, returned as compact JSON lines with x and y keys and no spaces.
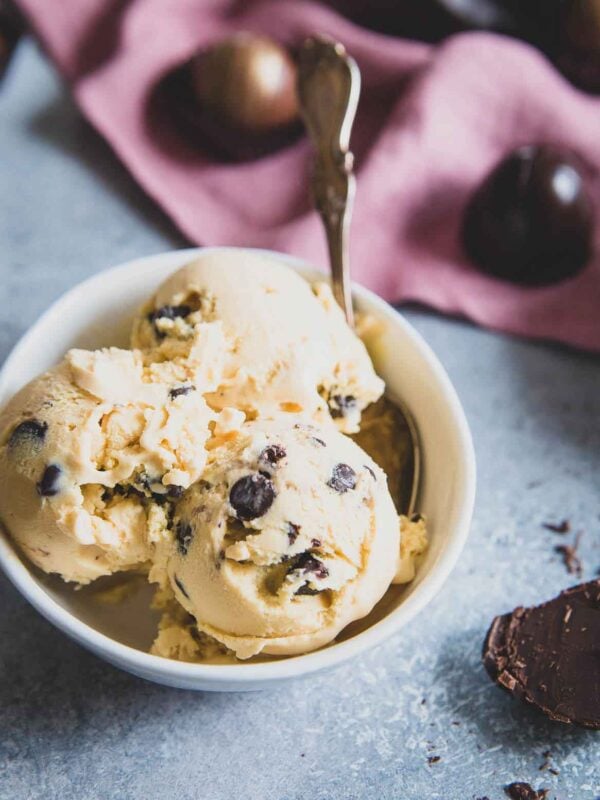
{"x":531,"y":221}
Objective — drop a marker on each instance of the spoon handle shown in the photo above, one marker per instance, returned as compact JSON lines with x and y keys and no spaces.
{"x":328,"y":89}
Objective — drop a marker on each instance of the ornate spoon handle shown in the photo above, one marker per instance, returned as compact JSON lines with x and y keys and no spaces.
{"x":328,"y":88}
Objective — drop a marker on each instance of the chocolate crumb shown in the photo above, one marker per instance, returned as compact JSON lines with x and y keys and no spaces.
{"x":433,"y":759}
{"x":292,"y":531}
{"x":180,"y":391}
{"x":317,"y":441}
{"x":524,"y":791}
{"x":558,"y":527}
{"x":570,"y":556}
{"x":316,"y":542}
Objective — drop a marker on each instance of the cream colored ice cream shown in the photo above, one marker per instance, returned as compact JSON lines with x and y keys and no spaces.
{"x":290,"y":535}
{"x":91,"y":455}
{"x":287,"y":345}
{"x":212,"y":457}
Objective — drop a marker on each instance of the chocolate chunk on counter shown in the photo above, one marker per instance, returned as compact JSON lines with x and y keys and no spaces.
{"x":547,"y":655}
{"x":524,"y":791}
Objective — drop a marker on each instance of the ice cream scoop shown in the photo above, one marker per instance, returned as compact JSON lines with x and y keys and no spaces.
{"x":287,"y":345}
{"x":290,"y":535}
{"x":92,"y":453}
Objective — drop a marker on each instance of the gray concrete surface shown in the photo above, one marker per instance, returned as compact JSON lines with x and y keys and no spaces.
{"x":74,"y":727}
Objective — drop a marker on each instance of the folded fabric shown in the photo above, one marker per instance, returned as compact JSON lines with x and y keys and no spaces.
{"x":431,"y":123}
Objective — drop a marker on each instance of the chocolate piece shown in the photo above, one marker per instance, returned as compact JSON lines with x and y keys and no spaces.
{"x":570,"y":557}
{"x":433,"y":759}
{"x":558,"y":527}
{"x":48,"y":485}
{"x":342,"y":405}
{"x":252,"y":496}
{"x":531,"y":221}
{"x":547,"y":655}
{"x":272,"y":455}
{"x":524,"y":791}
{"x":31,"y":431}
{"x":342,"y":478}
{"x":180,"y":391}
{"x":307,"y":563}
{"x":292,"y":532}
{"x":183,"y":536}
{"x":169,"y":312}
{"x":181,"y":587}
{"x":174,"y":491}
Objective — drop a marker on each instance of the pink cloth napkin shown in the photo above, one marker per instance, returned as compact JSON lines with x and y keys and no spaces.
{"x":431,"y":123}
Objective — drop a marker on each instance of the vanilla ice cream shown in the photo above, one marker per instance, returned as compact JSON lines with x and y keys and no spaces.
{"x":290,"y":535}
{"x":92,"y":453}
{"x":288,"y":347}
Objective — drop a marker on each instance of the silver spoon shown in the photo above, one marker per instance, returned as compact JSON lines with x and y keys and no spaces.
{"x":328,"y":90}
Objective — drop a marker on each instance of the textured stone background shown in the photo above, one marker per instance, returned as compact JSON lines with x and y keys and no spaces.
{"x":72,"y":726}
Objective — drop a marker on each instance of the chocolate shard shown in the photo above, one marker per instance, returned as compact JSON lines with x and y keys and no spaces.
{"x":547,"y":655}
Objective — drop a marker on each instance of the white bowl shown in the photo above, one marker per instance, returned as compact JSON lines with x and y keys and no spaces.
{"x":97,"y":313}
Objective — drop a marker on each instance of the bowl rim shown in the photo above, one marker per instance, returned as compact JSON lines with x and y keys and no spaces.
{"x":219,"y":675}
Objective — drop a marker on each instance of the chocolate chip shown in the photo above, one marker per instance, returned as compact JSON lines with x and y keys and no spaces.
{"x":180,"y":391}
{"x":181,"y":587}
{"x":252,"y":496}
{"x":433,"y":759}
{"x":174,"y":492}
{"x":183,"y":535}
{"x":30,"y":430}
{"x":342,"y":478}
{"x":169,"y":312}
{"x":341,"y":405}
{"x":48,"y":486}
{"x":306,"y":562}
{"x":292,"y":531}
{"x":524,"y":791}
{"x":370,"y":471}
{"x":547,"y":655}
{"x":272,"y":454}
